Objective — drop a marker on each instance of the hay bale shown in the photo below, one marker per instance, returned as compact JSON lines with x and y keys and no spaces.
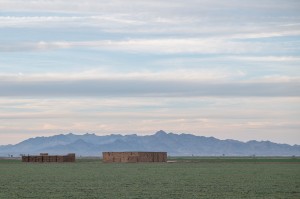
{"x":134,"y":156}
{"x":46,"y":158}
{"x":25,"y":158}
{"x":60,"y":158}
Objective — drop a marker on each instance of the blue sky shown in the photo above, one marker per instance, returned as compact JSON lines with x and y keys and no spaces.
{"x":228,"y":69}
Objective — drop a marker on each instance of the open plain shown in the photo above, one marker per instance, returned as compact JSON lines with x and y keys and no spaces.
{"x":182,"y":177}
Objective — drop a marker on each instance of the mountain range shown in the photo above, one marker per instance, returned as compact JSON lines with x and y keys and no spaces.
{"x":174,"y":144}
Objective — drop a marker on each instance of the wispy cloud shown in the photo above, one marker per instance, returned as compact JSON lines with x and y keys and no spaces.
{"x":155,"y":5}
{"x":158,"y":88}
{"x":228,"y":69}
{"x":107,"y":21}
{"x":180,"y":74}
{"x":155,"y":46}
{"x":266,"y":58}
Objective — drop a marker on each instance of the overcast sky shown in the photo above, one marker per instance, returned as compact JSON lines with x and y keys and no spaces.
{"x":228,"y":69}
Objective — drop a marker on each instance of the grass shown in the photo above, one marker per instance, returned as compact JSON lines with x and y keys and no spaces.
{"x":186,"y":178}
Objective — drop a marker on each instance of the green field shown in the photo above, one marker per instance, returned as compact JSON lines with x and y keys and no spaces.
{"x":185,"y":178}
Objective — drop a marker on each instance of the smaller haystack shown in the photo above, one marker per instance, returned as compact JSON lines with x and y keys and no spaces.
{"x":44,"y":157}
{"x":134,"y":157}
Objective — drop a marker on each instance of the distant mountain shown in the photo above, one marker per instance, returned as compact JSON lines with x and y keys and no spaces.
{"x":174,"y":144}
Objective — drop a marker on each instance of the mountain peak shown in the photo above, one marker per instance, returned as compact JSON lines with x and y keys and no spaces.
{"x":161,"y":132}
{"x":90,"y":134}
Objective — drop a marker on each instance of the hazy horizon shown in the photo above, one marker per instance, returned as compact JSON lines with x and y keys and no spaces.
{"x":213,"y":68}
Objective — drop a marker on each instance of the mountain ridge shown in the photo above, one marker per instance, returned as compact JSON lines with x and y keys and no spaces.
{"x":90,"y":144}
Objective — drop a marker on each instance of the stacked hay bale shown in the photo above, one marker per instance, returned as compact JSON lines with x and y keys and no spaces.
{"x":72,"y":157}
{"x":25,"y":158}
{"x":69,"y":158}
{"x":52,"y":158}
{"x":44,"y":157}
{"x":60,"y":158}
{"x":134,"y":157}
{"x":32,"y":159}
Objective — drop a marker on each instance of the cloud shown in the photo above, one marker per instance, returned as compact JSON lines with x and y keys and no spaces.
{"x":155,"y":46}
{"x":145,"y":88}
{"x":183,"y":74}
{"x":164,"y":25}
{"x":253,"y":19}
{"x":217,"y":68}
{"x":138,"y":5}
{"x":105,"y":21}
{"x":284,"y":59}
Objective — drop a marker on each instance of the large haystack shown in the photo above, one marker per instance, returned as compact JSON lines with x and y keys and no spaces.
{"x":134,"y":156}
{"x":44,"y":157}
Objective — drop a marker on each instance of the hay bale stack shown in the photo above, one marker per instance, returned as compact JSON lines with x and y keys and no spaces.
{"x":44,"y":157}
{"x":52,"y":158}
{"x":134,"y":157}
{"x":60,"y":158}
{"x":39,"y":159}
{"x":71,"y":157}
{"x":25,"y":158}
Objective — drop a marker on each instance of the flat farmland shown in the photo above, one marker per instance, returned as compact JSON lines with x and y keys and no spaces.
{"x":183,"y":178}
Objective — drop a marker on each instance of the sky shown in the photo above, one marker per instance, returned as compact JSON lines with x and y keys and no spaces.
{"x":228,"y":69}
